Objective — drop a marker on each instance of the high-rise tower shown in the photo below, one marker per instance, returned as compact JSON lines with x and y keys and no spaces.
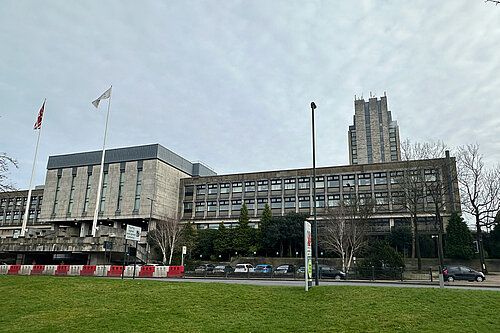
{"x":374,"y":136}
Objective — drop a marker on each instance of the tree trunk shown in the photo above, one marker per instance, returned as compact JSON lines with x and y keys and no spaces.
{"x":479,"y":236}
{"x":417,"y":244}
{"x":440,"y":236}
{"x":413,"y":237}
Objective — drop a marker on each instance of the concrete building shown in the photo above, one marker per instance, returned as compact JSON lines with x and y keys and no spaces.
{"x":374,"y":135}
{"x":145,"y":184}
{"x":140,"y":185}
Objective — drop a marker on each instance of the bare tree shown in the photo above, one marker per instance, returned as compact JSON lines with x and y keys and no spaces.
{"x":496,"y":2}
{"x":423,"y":180}
{"x":344,"y":228}
{"x":165,"y":236}
{"x":480,"y":194}
{"x":5,"y":162}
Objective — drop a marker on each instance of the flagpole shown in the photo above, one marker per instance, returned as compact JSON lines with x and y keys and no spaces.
{"x":28,"y":203}
{"x":99,"y":188}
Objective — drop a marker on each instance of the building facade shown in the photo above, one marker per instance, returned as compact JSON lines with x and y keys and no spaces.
{"x":145,"y":184}
{"x":374,"y":135}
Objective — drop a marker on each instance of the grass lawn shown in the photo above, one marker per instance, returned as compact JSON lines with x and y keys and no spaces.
{"x":79,"y":304}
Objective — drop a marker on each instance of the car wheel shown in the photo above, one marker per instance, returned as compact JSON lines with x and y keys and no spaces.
{"x":337,"y":277}
{"x":451,"y":279}
{"x":479,"y":278}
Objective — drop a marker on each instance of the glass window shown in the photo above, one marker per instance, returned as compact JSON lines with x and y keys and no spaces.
{"x":87,"y":193}
{"x":224,"y":188}
{"x":263,"y":185}
{"x":398,"y":197}
{"x":394,"y":148}
{"x":396,"y":177}
{"x":348,"y":180}
{"x":320,"y":201}
{"x":364,"y":179}
{"x":334,"y":200}
{"x":276,"y":185}
{"x":365,"y":198}
{"x":303,"y":183}
{"x":120,"y":190}
{"x":333,"y":181}
{"x":381,"y":198}
{"x":137,"y":190}
{"x":188,"y":207}
{"x":211,"y":206}
{"x":212,"y":188}
{"x":56,"y":198}
{"x":290,"y":202}
{"x":200,"y":206}
{"x":275,"y":203}
{"x":188,"y":191}
{"x":261,"y":203}
{"x":223,"y":205}
{"x":237,"y":187}
{"x":304,"y":202}
{"x":380,"y":178}
{"x":200,"y":189}
{"x":71,"y":194}
{"x":250,"y":203}
{"x":290,"y":184}
{"x":320,"y":182}
{"x":236,"y":204}
{"x":347,"y":199}
{"x":430,"y":175}
{"x":250,"y":186}
{"x":394,"y":157}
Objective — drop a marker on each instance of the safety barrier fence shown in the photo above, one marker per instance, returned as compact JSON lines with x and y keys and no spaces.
{"x":93,"y":270}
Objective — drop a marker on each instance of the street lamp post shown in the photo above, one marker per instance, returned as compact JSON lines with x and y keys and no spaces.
{"x":149,"y":225}
{"x":316,"y":278}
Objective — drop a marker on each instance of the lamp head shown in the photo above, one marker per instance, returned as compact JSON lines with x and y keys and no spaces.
{"x":313,"y":105}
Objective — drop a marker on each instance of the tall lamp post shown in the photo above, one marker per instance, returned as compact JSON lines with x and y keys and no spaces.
{"x":316,"y":278}
{"x":149,"y":226}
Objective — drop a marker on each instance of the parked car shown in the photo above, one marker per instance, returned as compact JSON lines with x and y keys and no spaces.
{"x":204,"y":268}
{"x":223,"y":269}
{"x":452,"y":273}
{"x":243,"y":268}
{"x":263,"y":269}
{"x":301,"y":270}
{"x":284,"y":269}
{"x":329,"y":272}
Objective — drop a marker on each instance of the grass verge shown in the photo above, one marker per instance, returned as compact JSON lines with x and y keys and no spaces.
{"x":78,"y":304}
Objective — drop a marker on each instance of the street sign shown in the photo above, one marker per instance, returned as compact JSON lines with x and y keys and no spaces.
{"x":308,"y":255}
{"x":108,"y":245}
{"x":133,"y":233}
{"x":184,"y":249}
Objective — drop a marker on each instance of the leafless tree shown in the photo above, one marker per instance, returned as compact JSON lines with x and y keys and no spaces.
{"x":496,"y":2}
{"x":5,"y":162}
{"x":165,"y":236}
{"x":344,"y":228}
{"x":424,"y":180}
{"x":480,"y":191}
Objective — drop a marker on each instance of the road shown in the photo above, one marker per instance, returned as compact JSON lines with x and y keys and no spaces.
{"x":300,"y":283}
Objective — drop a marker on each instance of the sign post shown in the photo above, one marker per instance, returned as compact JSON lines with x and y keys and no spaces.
{"x":184,"y":251}
{"x":132,"y":233}
{"x":308,"y":255}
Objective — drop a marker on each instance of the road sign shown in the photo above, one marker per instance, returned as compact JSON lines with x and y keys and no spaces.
{"x":108,"y":245}
{"x":184,"y":249}
{"x":308,"y":255}
{"x":133,"y":233}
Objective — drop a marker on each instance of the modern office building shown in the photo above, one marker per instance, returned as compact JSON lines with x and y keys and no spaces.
{"x":145,"y":184}
{"x":374,"y":135}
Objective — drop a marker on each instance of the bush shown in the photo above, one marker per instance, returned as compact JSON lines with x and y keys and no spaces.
{"x":382,"y":255}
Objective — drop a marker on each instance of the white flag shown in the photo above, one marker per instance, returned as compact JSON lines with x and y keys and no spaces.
{"x":106,"y":95}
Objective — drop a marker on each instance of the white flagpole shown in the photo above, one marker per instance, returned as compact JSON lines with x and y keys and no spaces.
{"x":98,"y":198}
{"x":28,"y":203}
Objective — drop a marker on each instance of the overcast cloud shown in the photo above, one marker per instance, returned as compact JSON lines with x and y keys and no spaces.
{"x":230,"y":82}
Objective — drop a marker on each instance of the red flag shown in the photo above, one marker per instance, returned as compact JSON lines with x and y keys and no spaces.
{"x":38,"y":122}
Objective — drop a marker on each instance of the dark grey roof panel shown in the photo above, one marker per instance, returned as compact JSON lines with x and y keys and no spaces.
{"x":202,"y":170}
{"x":137,"y":153}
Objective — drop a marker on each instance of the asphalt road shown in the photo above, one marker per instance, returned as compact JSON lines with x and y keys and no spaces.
{"x":300,"y":283}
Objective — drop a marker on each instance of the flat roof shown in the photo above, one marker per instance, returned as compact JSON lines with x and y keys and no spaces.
{"x":127,"y":154}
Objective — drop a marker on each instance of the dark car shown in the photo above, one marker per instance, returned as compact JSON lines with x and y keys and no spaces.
{"x":329,"y":272}
{"x":223,"y":269}
{"x":284,"y":269}
{"x":204,"y":268}
{"x":452,"y":273}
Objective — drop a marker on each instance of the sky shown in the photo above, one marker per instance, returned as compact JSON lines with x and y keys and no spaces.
{"x":229,"y":83}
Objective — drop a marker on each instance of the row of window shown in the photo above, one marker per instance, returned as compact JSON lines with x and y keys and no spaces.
{"x":16,"y":216}
{"x":18,"y":202}
{"x":364,"y":179}
{"x":381,"y":198}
